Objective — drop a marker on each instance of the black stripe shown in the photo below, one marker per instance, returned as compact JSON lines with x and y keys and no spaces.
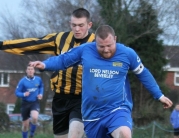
{"x":73,"y":79}
{"x":62,"y":40}
{"x":72,"y":43}
{"x":55,"y":50}
{"x":39,"y":51}
{"x":27,"y":44}
{"x":84,"y":40}
{"x":63,"y":81}
{"x":54,"y":74}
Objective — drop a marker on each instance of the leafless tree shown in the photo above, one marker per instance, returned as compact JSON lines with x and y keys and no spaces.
{"x":38,"y":19}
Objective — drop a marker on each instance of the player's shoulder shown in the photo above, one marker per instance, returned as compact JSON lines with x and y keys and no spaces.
{"x":23,"y":79}
{"x":123,"y":47}
{"x":89,"y":45}
{"x":37,"y":77}
{"x":64,"y":33}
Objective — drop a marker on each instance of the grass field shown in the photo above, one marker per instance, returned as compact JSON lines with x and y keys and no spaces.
{"x":143,"y":132}
{"x":18,"y":135}
{"x":44,"y":131}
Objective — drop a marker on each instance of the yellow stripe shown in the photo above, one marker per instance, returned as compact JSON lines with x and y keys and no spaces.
{"x":31,"y":48}
{"x":49,"y":36}
{"x":68,"y":79}
{"x":91,"y":38}
{"x":9,"y":42}
{"x":78,"y":80}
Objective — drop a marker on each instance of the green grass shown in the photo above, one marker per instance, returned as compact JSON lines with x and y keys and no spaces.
{"x":44,"y":131}
{"x":18,"y":135}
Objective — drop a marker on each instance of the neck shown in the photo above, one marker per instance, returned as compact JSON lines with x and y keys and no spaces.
{"x":30,"y":77}
{"x":83,"y":39}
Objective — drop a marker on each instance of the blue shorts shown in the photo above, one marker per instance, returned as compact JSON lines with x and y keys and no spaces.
{"x":103,"y":127}
{"x":27,"y":107}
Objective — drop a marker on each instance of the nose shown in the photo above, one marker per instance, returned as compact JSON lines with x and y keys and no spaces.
{"x":106,"y":49}
{"x":77,"y":28}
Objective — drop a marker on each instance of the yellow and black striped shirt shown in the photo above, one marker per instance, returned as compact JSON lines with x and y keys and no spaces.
{"x":63,"y":82}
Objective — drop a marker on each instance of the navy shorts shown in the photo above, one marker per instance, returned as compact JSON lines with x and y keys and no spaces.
{"x":27,"y":107}
{"x":103,"y":127}
{"x":176,"y":132}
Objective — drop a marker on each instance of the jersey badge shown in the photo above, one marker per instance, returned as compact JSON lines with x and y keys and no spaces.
{"x":117,"y":64}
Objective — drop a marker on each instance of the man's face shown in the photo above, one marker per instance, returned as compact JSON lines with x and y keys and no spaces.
{"x":80,"y":27}
{"x":30,"y":71}
{"x":106,"y":47}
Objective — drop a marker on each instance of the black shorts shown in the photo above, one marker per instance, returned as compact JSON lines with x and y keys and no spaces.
{"x":27,"y":107}
{"x":65,"y":109}
{"x":176,"y":132}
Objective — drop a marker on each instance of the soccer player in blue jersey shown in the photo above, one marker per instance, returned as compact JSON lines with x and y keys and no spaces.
{"x":106,"y":95}
{"x":30,"y":88}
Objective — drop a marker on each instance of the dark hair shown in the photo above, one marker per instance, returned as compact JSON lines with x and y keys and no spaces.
{"x":29,"y":66}
{"x":103,"y":31}
{"x":81,"y":12}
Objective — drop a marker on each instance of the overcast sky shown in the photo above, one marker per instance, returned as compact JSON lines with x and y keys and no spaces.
{"x":14,"y":7}
{"x":11,"y":5}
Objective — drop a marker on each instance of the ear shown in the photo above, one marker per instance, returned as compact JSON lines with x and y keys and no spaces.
{"x":90,"y":25}
{"x":70,"y":24}
{"x":115,"y":38}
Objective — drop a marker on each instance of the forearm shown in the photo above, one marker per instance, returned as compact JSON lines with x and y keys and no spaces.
{"x":19,"y":94}
{"x":54,"y":64}
{"x":41,"y":91}
{"x":149,"y":83}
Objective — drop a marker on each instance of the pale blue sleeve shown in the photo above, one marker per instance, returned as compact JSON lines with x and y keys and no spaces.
{"x":65,"y":60}
{"x":144,"y":75}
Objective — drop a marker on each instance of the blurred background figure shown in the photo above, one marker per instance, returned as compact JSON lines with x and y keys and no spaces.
{"x":30,"y":88}
{"x":174,"y":119}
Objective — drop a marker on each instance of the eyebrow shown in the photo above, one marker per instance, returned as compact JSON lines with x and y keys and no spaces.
{"x":77,"y":24}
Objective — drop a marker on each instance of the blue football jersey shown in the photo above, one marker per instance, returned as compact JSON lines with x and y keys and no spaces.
{"x":34,"y":86}
{"x":105,"y":86}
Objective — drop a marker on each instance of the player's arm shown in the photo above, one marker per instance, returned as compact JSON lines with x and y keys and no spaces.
{"x":19,"y":90}
{"x":65,"y":60}
{"x":41,"y":90}
{"x":44,"y":45}
{"x":147,"y":79}
{"x":41,"y":87}
{"x":60,"y":62}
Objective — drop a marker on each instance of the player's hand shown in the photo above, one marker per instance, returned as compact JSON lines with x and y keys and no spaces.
{"x":167,"y":103}
{"x":37,"y":64}
{"x":39,"y":96}
{"x":27,"y":94}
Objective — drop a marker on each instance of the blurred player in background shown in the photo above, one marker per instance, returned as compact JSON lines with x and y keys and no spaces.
{"x":30,"y":88}
{"x":174,"y":119}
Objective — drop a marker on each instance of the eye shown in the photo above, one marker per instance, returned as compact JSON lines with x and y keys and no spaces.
{"x":81,"y":25}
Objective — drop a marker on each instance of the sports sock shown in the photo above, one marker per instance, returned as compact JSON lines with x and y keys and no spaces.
{"x":32,"y":129}
{"x":24,"y":134}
